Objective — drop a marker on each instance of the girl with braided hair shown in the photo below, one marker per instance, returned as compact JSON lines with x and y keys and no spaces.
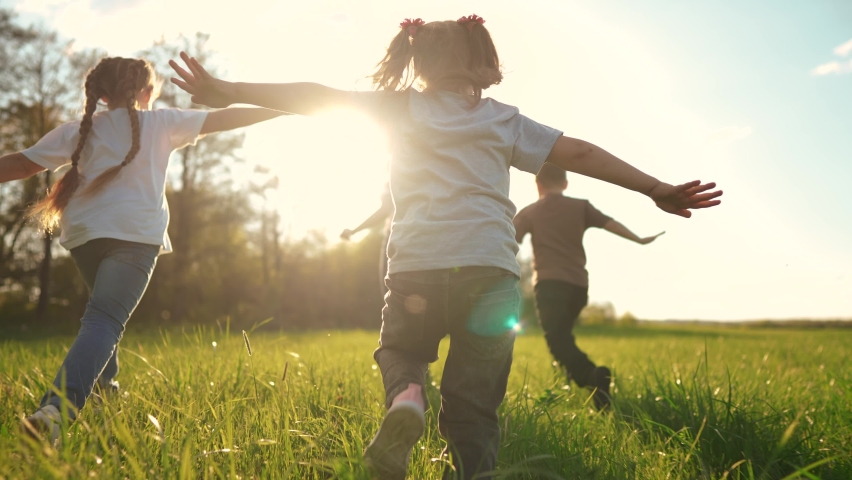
{"x":452,"y":268}
{"x":112,"y":210}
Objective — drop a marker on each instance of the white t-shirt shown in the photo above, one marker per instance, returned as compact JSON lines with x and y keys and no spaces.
{"x":133,"y":206}
{"x":450,"y":177}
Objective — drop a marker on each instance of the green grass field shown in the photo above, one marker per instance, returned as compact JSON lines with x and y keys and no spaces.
{"x":690,"y":402}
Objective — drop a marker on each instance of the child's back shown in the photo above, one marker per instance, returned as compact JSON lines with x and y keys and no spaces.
{"x":558,"y":224}
{"x":133,"y":206}
{"x":450,"y":181}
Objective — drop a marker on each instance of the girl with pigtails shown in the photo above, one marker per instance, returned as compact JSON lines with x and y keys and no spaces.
{"x":112,"y":211}
{"x":452,"y":267}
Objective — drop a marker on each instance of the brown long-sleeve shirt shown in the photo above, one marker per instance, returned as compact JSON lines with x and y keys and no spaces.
{"x":557,"y":224}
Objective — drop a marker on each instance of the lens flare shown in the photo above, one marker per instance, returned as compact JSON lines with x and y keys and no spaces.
{"x":513,"y":324}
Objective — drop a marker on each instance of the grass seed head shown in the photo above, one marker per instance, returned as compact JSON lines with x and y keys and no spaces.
{"x":248,"y":344}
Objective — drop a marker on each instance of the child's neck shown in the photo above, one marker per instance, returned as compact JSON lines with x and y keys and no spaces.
{"x":543,"y":192}
{"x":465,"y":90}
{"x":112,"y":107}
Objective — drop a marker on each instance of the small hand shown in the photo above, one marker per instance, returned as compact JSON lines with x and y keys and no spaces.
{"x":680,"y":199}
{"x":347,"y":234}
{"x":647,"y":240}
{"x":204,"y":88}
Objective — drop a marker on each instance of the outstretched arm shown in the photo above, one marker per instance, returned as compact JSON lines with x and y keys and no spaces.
{"x":16,"y":166}
{"x":300,"y":98}
{"x":380,"y":215}
{"x":619,"y":229}
{"x":586,"y":159}
{"x":231,"y":118}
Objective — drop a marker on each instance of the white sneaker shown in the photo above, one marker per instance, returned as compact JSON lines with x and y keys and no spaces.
{"x":388,"y":454}
{"x":45,"y":421}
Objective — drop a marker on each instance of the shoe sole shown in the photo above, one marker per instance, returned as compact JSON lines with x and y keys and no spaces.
{"x":388,"y":454}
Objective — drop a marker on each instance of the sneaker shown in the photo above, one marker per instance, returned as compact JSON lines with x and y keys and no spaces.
{"x":43,"y":423}
{"x":602,"y":378}
{"x":388,"y":454}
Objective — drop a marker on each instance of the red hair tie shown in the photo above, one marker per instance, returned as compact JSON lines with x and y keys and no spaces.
{"x":412,"y":25}
{"x":470,"y":20}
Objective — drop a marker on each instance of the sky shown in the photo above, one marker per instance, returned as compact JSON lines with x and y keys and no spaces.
{"x":756,"y":96}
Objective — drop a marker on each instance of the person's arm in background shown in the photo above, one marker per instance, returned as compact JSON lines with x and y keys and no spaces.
{"x":619,"y":229}
{"x":374,"y":220}
{"x":590,"y":160}
{"x":299,"y":98}
{"x":232,"y":118}
{"x":16,"y":166}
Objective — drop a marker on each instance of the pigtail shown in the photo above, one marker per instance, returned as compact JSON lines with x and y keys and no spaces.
{"x":48,"y":210}
{"x":484,"y":65}
{"x":394,"y":70}
{"x":128,"y":88}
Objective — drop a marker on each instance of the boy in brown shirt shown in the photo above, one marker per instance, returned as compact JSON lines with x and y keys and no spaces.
{"x":557,"y":224}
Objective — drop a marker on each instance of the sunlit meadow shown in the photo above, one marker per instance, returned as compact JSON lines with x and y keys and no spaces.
{"x":690,"y":402}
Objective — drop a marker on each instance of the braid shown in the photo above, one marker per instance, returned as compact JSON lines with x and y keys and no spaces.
{"x":130,"y":99}
{"x":92,"y":96}
{"x":127,"y":89}
{"x":48,"y":210}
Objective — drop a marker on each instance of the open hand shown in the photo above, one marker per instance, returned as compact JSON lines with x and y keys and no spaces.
{"x":204,"y":88}
{"x":647,"y":240}
{"x":680,"y":199}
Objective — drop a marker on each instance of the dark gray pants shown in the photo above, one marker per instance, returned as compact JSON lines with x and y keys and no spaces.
{"x":477,"y":307}
{"x":559,"y":304}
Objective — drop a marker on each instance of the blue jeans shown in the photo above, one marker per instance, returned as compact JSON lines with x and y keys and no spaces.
{"x":117,"y":273}
{"x":478,"y":308}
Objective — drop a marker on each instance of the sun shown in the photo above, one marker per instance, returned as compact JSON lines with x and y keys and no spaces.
{"x":331,"y":169}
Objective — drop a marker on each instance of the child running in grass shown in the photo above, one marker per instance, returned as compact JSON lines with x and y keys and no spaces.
{"x":452,"y":267}
{"x":112,"y":210}
{"x":557,"y":224}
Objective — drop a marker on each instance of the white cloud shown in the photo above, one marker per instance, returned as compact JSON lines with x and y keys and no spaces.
{"x":836,"y":66}
{"x":729,"y":134}
{"x":833,"y":67}
{"x":844,"y":49}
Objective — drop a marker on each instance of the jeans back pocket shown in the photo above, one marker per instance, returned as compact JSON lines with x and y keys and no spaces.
{"x":494,"y":313}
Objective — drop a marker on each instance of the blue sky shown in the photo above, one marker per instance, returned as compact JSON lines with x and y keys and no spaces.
{"x":754,"y":95}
